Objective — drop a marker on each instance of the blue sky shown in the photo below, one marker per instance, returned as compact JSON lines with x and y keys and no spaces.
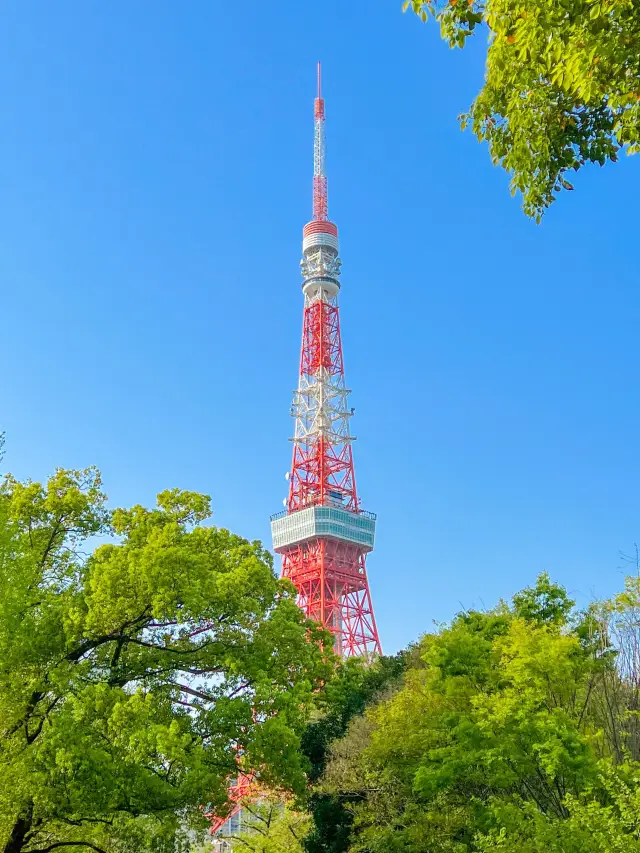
{"x":155,"y":173}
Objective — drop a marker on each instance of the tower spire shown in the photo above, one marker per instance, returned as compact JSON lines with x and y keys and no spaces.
{"x":320,"y":201}
{"x":324,"y":535}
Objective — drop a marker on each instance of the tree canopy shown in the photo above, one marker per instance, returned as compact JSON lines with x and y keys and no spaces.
{"x":135,"y":677}
{"x":513,"y":730}
{"x":562,"y":85}
{"x":271,"y":824}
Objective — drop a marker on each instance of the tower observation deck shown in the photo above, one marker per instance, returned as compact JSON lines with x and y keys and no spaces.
{"x":324,"y":534}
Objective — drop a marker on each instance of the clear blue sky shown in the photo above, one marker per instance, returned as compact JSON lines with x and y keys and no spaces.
{"x":155,"y":172}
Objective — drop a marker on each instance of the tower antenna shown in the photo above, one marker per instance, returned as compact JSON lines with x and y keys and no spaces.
{"x":320,"y":200}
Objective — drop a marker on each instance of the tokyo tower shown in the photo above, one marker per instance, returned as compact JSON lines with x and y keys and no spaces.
{"x":324,"y":534}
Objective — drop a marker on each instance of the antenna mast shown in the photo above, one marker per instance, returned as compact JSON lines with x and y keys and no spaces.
{"x":320,"y":201}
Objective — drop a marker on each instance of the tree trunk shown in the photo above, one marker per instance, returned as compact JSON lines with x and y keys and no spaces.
{"x":19,"y":832}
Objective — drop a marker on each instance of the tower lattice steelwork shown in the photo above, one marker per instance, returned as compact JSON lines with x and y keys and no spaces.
{"x":324,"y":534}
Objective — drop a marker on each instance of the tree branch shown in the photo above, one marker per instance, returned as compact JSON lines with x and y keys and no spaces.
{"x":238,"y":689}
{"x":185,"y":689}
{"x":57,"y":527}
{"x":31,"y":737}
{"x":168,"y":648}
{"x":57,"y":844}
{"x":79,"y":821}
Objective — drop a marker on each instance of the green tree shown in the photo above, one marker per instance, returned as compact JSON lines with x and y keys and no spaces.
{"x":591,"y":825}
{"x":272,"y":824}
{"x":496,"y":738}
{"x":561,"y":88}
{"x":354,"y":686}
{"x":132,"y":678}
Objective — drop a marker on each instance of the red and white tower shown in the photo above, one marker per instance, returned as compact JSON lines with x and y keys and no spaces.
{"x":324,"y":534}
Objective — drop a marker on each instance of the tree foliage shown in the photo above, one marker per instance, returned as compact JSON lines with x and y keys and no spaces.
{"x":317,"y":822}
{"x":133,"y":677}
{"x":606,"y":820}
{"x":562,"y":84}
{"x":272,"y":824}
{"x":354,"y":686}
{"x":513,"y":730}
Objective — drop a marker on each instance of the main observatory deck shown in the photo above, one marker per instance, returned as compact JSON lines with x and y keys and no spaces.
{"x":326,"y":522}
